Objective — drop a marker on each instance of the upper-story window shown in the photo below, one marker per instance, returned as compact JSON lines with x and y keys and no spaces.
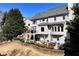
{"x":57,"y":39}
{"x":62,"y":28}
{"x":34,"y":22}
{"x":63,"y":17}
{"x":55,"y":18}
{"x":43,"y":19}
{"x":42,"y":29}
{"x":58,"y":28}
{"x":40,"y":20}
{"x":52,"y":28}
{"x":55,"y":28}
{"x":47,"y":19}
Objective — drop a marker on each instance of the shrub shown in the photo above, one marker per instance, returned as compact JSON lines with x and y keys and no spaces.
{"x":47,"y":45}
{"x":61,"y":47}
{"x":2,"y":38}
{"x":50,"y":45}
{"x":18,"y":39}
{"x":31,"y":42}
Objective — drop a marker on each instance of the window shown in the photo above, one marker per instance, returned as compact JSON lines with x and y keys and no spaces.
{"x":67,"y":8}
{"x":28,"y":24}
{"x":54,"y":18}
{"x":28,"y":36}
{"x":57,"y":39}
{"x":34,"y":29}
{"x":34,"y":22}
{"x":58,"y":28}
{"x":77,"y":4}
{"x":43,"y":19}
{"x":40,"y":20}
{"x":55,"y":28}
{"x":62,"y":28}
{"x":52,"y":29}
{"x":42,"y":29}
{"x":63,"y":17}
{"x":47,"y":19}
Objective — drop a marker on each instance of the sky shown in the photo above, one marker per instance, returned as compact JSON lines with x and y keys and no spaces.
{"x":29,"y":9}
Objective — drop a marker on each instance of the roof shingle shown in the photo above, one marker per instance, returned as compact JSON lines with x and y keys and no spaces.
{"x":51,"y":12}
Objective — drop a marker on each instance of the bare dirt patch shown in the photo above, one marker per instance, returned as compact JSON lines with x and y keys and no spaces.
{"x":19,"y":49}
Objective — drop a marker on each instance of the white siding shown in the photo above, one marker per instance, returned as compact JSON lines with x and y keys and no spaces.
{"x":45,"y":30}
{"x":61,"y":35}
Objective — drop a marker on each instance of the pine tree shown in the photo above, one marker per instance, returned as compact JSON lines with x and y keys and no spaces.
{"x":72,"y":44}
{"x":4,"y":18}
{"x":13,"y":24}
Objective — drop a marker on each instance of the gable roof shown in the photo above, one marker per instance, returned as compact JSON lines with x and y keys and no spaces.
{"x":51,"y":12}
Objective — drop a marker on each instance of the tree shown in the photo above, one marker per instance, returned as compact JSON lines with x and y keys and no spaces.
{"x":4,"y":18}
{"x":72,"y":44}
{"x":13,"y":24}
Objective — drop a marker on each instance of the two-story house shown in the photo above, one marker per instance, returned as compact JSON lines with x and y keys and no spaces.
{"x":51,"y":26}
